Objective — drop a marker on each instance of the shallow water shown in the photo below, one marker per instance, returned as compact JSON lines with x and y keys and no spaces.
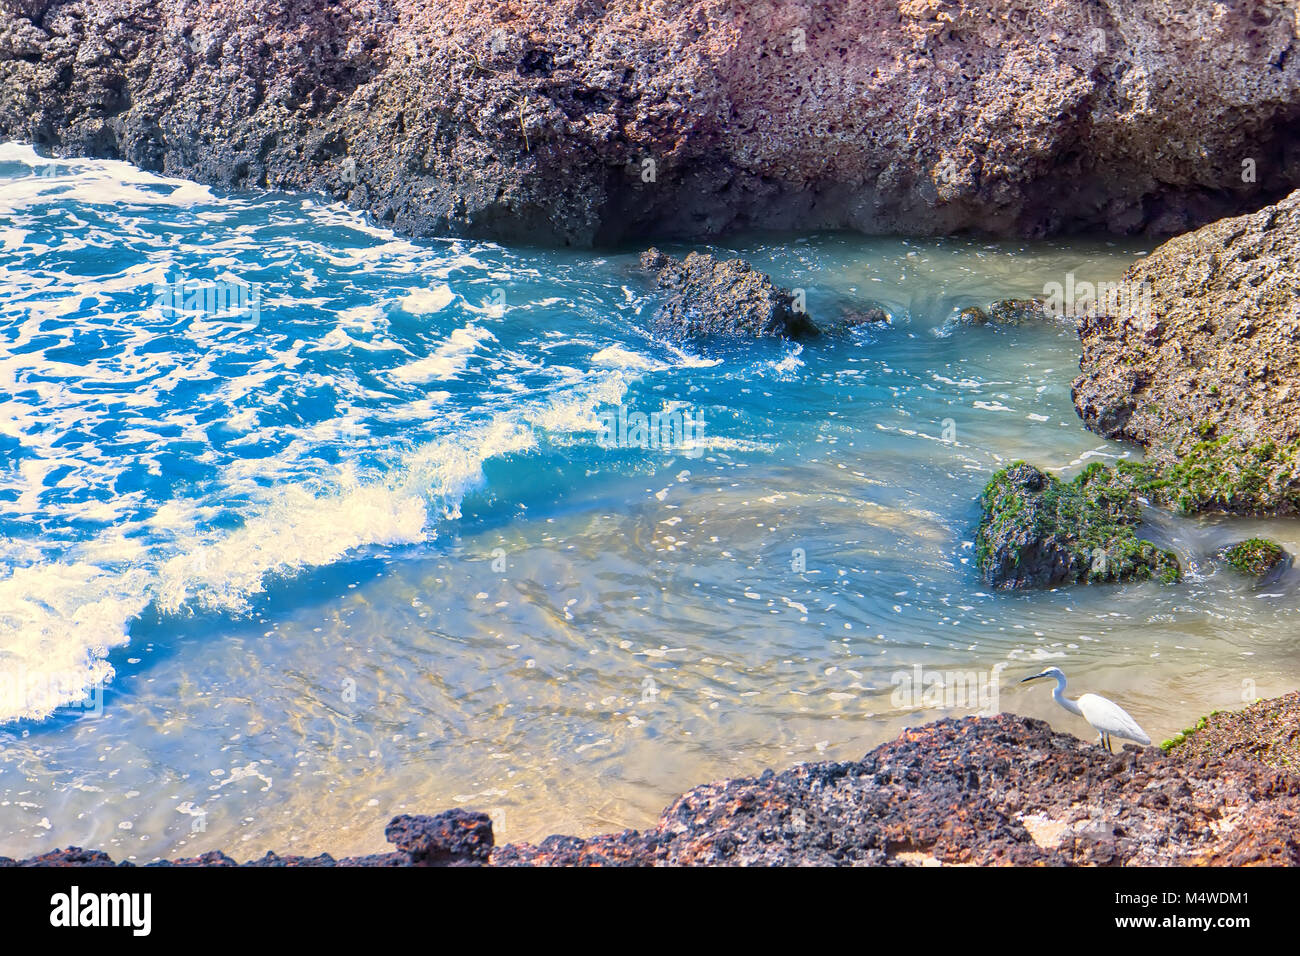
{"x":272,"y":575}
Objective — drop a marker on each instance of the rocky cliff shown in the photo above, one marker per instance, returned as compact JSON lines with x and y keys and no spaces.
{"x":582,"y":121}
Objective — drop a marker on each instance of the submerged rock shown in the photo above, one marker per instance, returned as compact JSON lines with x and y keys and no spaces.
{"x":852,"y":317}
{"x":710,"y":298}
{"x":1040,"y":531}
{"x":575,"y":122}
{"x":1255,"y":557}
{"x":1007,"y":312}
{"x":1202,"y":365}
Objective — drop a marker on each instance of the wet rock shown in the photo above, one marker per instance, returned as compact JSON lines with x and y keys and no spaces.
{"x":712,"y":298}
{"x":1007,"y":312}
{"x":1201,"y":367}
{"x":576,"y":123}
{"x":1255,"y":557}
{"x":870,"y":315}
{"x":211,"y":858}
{"x":1040,"y":531}
{"x":71,"y":856}
{"x":452,"y":838}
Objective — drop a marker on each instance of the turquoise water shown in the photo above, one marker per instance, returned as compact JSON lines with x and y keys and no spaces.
{"x":340,"y":532}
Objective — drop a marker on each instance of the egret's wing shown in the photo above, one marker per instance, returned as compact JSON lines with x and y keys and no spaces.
{"x":1109,"y":717}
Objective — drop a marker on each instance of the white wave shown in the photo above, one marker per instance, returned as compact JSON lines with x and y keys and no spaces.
{"x":690,"y":360}
{"x":57,"y":623}
{"x":59,"y":620}
{"x":337,"y":340}
{"x":99,"y":182}
{"x":426,"y":301}
{"x":295,"y":531}
{"x":89,"y":421}
{"x":787,"y":366}
{"x":448,"y":360}
{"x":617,"y":357}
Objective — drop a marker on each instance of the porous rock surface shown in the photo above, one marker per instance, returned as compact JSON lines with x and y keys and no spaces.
{"x":575,"y":121}
{"x":977,"y":790}
{"x":1202,"y":368}
{"x":1040,"y":531}
{"x":706,"y":297}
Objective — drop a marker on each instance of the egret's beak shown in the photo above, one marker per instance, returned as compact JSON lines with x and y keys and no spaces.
{"x":1035,"y":677}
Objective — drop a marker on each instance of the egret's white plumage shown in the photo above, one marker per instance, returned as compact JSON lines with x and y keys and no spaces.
{"x":1107,"y":717}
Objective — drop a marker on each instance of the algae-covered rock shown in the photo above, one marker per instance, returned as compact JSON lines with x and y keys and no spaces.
{"x":1039,"y":531}
{"x":1202,"y":365}
{"x":1231,"y":472}
{"x":1254,"y":557}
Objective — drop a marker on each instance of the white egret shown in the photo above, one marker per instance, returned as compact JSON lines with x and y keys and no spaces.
{"x":1107,"y":717}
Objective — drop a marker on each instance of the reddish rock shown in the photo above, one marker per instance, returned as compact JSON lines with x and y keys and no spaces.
{"x":582,"y":122}
{"x":452,"y":838}
{"x":1005,"y":790}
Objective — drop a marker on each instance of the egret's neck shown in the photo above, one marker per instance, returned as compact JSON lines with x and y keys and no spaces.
{"x":1058,"y":695}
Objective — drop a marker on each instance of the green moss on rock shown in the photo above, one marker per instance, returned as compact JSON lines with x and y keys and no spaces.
{"x":1181,"y":738}
{"x":1254,"y":557}
{"x":1038,"y":530}
{"x":1232,"y":473}
{"x":1222,"y":472}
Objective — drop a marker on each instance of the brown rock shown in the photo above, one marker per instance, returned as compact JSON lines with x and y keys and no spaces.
{"x":1201,"y":365}
{"x":452,"y":838}
{"x":709,"y":298}
{"x":576,"y":122}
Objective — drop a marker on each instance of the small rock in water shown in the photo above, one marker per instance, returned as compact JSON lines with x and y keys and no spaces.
{"x":873,"y":315}
{"x":710,"y":298}
{"x":1255,"y":557}
{"x":1006,"y":312}
{"x":1039,"y":531}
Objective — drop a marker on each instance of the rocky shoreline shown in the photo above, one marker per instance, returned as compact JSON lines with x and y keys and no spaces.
{"x":1002,"y":790}
{"x":580,"y":124}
